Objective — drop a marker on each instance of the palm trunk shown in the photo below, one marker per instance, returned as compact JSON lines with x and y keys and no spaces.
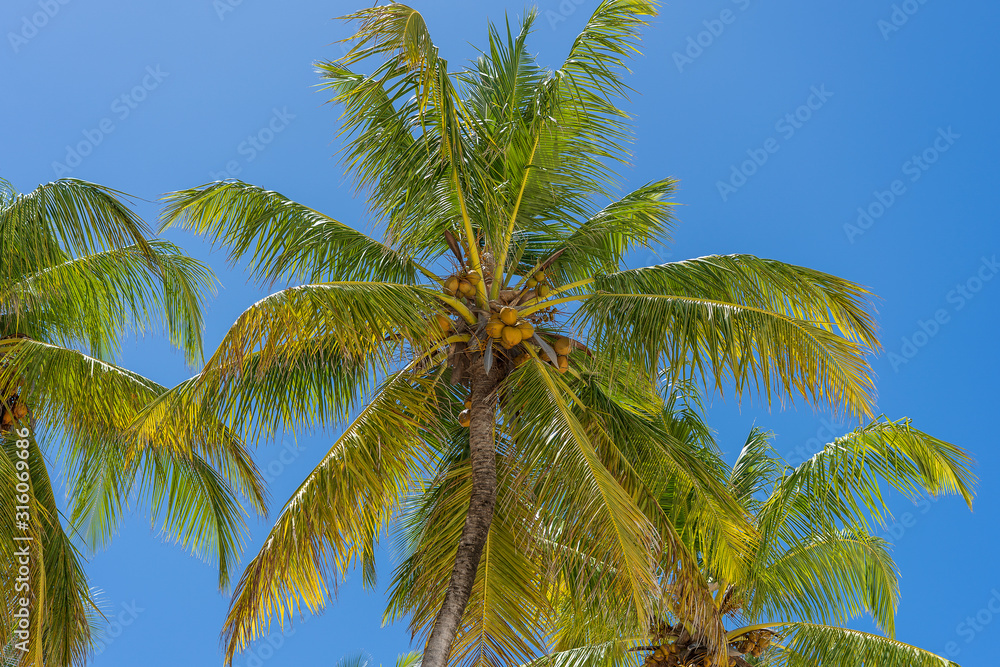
{"x":477,"y":521}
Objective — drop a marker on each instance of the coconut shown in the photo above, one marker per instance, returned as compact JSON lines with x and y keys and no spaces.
{"x":510,"y":336}
{"x":508,"y":315}
{"x":531,"y":283}
{"x":563,"y":363}
{"x":20,"y":410}
{"x":539,"y":276}
{"x":451,"y":285}
{"x":444,"y":322}
{"x":543,"y":290}
{"x":466,"y":288}
{"x":495,"y":328}
{"x":468,"y":403}
{"x":464,"y":418}
{"x":563,"y":345}
{"x":8,"y":418}
{"x":526,"y":328}
{"x":522,"y":359}
{"x":473,"y":277}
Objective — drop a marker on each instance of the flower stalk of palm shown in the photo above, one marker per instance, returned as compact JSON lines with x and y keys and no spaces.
{"x":495,"y":319}
{"x":815,"y":565}
{"x":79,"y":273}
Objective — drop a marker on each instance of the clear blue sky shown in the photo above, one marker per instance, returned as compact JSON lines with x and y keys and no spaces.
{"x":895,"y":118}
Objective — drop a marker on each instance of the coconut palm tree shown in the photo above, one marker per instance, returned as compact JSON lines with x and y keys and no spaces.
{"x":79,"y":272}
{"x":496,"y":316}
{"x":815,"y":567}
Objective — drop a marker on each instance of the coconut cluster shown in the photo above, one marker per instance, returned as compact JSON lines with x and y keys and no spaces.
{"x":505,"y":331}
{"x":675,"y":647}
{"x":13,"y":410}
{"x":463,"y":284}
{"x":754,"y":642}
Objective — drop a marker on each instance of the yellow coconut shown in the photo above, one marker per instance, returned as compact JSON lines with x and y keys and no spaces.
{"x":543,"y":290}
{"x":451,"y":285}
{"x":495,"y":328}
{"x":531,"y":283}
{"x":444,"y":322}
{"x":467,"y":288}
{"x":539,"y":276}
{"x":510,"y":336}
{"x":508,"y":315}
{"x":563,"y":345}
{"x":20,"y":411}
{"x":527,"y":329}
{"x":464,"y":418}
{"x":563,"y":363}
{"x":473,"y":277}
{"x":522,"y":359}
{"x":468,"y":403}
{"x":8,"y":418}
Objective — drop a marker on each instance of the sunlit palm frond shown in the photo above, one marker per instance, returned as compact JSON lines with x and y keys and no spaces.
{"x":99,"y":298}
{"x":284,"y":239}
{"x":843,"y":481}
{"x":811,"y":644}
{"x":68,"y":217}
{"x":89,"y":404}
{"x":756,"y":469}
{"x":720,"y":342}
{"x":831,"y":578}
{"x":336,"y":517}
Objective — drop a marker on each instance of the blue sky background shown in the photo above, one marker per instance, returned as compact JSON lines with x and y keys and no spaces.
{"x":889,"y":91}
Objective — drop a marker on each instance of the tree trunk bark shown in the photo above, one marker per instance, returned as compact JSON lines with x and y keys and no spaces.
{"x":477,"y":522}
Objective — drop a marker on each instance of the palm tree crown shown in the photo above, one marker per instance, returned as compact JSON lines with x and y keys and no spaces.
{"x":78,"y":273}
{"x":500,"y":363}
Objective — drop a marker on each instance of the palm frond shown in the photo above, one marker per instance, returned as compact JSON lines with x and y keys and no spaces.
{"x":336,"y":517}
{"x":98,"y":298}
{"x":284,"y":239}
{"x":811,"y":644}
